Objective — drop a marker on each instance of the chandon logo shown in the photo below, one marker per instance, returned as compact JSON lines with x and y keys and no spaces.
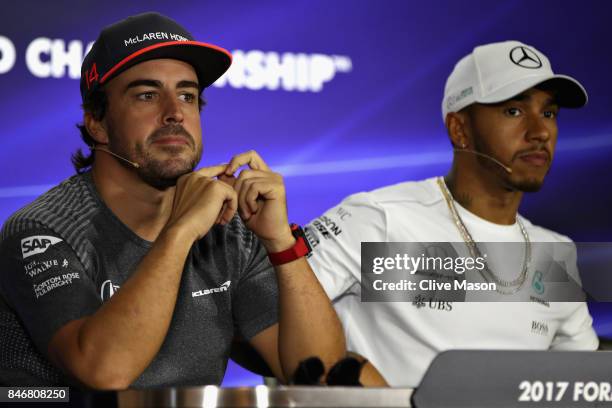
{"x":222,"y":288}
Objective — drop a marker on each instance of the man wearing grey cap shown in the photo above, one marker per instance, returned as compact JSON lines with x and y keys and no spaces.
{"x":500,"y":109}
{"x":139,"y":271}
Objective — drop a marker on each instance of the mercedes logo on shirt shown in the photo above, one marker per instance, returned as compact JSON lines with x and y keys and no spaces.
{"x":524,"y":57}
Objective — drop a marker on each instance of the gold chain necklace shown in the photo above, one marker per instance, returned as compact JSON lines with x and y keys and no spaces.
{"x":517,"y":283}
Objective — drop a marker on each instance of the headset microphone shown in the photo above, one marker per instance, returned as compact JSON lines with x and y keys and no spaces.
{"x":494,"y":160}
{"x":131,"y":163}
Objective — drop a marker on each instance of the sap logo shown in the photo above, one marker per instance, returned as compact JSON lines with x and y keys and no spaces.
{"x":203,"y":292}
{"x":37,"y":244}
{"x":107,"y":290}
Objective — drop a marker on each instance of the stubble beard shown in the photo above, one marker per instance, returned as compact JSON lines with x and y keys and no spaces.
{"x":159,"y":173}
{"x":525,"y":184}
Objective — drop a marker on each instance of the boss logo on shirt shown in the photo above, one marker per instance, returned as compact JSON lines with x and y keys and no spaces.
{"x":540,"y":328}
{"x":37,"y":244}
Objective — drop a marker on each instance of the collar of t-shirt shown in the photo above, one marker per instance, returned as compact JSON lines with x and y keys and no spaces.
{"x":487,"y":231}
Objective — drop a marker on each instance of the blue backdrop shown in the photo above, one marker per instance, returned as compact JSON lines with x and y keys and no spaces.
{"x":339,"y":96}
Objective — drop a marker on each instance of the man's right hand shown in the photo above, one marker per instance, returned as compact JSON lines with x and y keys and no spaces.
{"x":200,"y":201}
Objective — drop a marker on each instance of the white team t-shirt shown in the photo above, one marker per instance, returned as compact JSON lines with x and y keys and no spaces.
{"x":402,"y":338}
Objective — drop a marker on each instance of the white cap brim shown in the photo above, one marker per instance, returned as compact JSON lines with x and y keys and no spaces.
{"x":568,"y":92}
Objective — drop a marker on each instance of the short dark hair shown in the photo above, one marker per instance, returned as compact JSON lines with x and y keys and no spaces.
{"x":96,"y":104}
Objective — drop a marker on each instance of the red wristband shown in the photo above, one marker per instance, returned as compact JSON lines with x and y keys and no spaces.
{"x":299,"y":249}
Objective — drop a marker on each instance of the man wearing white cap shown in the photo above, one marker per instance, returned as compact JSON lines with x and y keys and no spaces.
{"x":500,"y":106}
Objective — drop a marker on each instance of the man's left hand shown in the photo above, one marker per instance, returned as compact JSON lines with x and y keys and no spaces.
{"x":262,"y":202}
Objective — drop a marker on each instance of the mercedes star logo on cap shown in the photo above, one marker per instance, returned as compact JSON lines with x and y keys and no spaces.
{"x":524,"y":57}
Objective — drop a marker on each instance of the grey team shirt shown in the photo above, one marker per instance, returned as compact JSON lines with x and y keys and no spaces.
{"x":66,"y":253}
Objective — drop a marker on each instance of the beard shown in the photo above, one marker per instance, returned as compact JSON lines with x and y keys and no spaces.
{"x":159,"y":172}
{"x":513,"y":181}
{"x":528,"y":185}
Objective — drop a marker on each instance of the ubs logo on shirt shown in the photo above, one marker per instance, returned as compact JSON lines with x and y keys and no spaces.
{"x":107,"y":290}
{"x":421,"y":302}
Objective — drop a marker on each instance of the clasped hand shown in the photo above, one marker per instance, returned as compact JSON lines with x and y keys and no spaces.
{"x":212,"y":195}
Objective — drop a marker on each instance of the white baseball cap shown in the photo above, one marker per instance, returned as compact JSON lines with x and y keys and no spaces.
{"x":499,"y":71}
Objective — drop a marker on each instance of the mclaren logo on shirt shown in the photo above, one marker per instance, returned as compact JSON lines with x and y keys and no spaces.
{"x":203,"y":292}
{"x":37,"y":244}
